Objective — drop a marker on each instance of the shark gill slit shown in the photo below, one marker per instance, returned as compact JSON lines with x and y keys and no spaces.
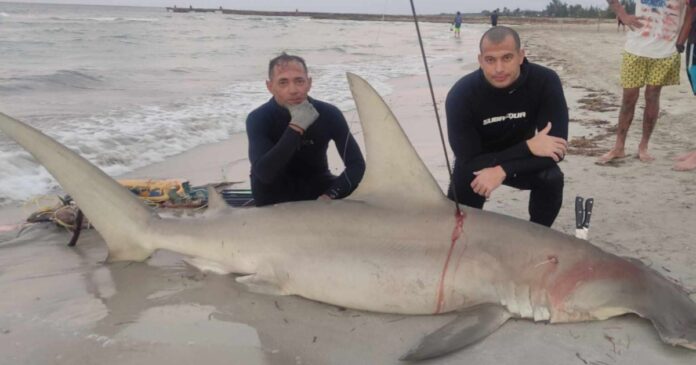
{"x":456,"y":233}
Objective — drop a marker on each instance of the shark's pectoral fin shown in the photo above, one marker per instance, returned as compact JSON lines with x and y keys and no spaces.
{"x":256,"y":284}
{"x":469,"y":327}
{"x":206,"y":265}
{"x":263,"y":282}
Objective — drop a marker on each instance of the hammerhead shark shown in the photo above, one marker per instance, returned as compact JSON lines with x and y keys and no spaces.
{"x":396,"y":245}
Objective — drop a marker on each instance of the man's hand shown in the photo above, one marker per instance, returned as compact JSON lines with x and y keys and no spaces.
{"x":632,"y":21}
{"x":488,"y":180}
{"x":543,"y":145}
{"x":324,"y":197}
{"x":302,"y":115}
{"x":680,"y":48}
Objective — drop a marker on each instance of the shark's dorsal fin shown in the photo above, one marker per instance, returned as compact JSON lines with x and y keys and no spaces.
{"x":215,"y":201}
{"x":395,"y":176}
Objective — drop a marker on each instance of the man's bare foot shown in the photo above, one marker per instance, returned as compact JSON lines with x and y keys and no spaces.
{"x":644,"y":156}
{"x":613,"y":154}
{"x":688,"y":163}
{"x":683,"y":156}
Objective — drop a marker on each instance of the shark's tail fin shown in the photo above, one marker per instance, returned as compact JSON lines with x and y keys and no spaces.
{"x":120,"y":217}
{"x":671,"y":311}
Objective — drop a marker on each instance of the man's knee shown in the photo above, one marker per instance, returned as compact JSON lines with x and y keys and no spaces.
{"x":652,"y":93}
{"x":466,"y":196}
{"x":263,"y":194}
{"x":652,"y":101}
{"x":629,"y":99}
{"x":551,"y":178}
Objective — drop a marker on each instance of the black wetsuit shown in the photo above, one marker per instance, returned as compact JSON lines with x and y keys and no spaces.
{"x":488,"y":126}
{"x":287,"y":166}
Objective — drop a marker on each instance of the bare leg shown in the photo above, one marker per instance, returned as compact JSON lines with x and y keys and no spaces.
{"x":652,"y":109}
{"x":628,"y":107}
{"x":688,"y":163}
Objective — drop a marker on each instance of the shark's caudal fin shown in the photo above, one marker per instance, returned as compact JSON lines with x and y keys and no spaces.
{"x":395,"y":175}
{"x":671,"y":311}
{"x":119,"y":216}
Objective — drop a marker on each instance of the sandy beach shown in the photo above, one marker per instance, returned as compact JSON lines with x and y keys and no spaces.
{"x":66,"y":306}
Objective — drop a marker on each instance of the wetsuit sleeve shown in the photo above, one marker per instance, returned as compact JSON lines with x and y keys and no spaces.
{"x":268,"y":159}
{"x":553,"y":109}
{"x":353,"y":160}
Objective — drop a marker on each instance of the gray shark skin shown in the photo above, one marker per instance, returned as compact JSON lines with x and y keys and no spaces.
{"x":390,"y":247}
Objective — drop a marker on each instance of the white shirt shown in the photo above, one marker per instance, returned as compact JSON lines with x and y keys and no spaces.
{"x":662,"y":20}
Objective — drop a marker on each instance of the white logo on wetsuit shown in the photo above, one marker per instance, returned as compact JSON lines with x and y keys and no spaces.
{"x":502,"y":118}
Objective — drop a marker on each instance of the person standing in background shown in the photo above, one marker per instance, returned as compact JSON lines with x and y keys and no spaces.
{"x":457,"y":24}
{"x":650,"y":60}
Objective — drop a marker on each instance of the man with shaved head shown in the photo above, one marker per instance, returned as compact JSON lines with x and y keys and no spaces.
{"x":508,"y":124}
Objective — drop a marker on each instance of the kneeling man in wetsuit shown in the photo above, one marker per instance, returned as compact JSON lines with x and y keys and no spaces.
{"x":508,"y":124}
{"x":288,"y":139}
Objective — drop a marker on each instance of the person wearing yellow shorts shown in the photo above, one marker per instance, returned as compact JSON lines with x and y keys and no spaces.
{"x":651,"y":60}
{"x":637,"y":71}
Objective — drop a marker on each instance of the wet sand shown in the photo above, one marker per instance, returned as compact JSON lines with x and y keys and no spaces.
{"x":66,"y":306}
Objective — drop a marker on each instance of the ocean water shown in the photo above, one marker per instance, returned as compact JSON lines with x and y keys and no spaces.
{"x":128,"y":86}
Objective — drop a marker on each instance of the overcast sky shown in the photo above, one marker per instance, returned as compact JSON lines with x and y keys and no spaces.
{"x":345,"y":6}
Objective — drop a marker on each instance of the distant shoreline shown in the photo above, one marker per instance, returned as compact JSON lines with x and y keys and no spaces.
{"x":427,"y":18}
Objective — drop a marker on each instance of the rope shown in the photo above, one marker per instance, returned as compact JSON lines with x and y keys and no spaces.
{"x":437,"y":115}
{"x":77,"y":230}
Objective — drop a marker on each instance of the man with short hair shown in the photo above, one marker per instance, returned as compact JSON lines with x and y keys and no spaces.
{"x":289,"y":137}
{"x":508,"y":124}
{"x":650,"y":60}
